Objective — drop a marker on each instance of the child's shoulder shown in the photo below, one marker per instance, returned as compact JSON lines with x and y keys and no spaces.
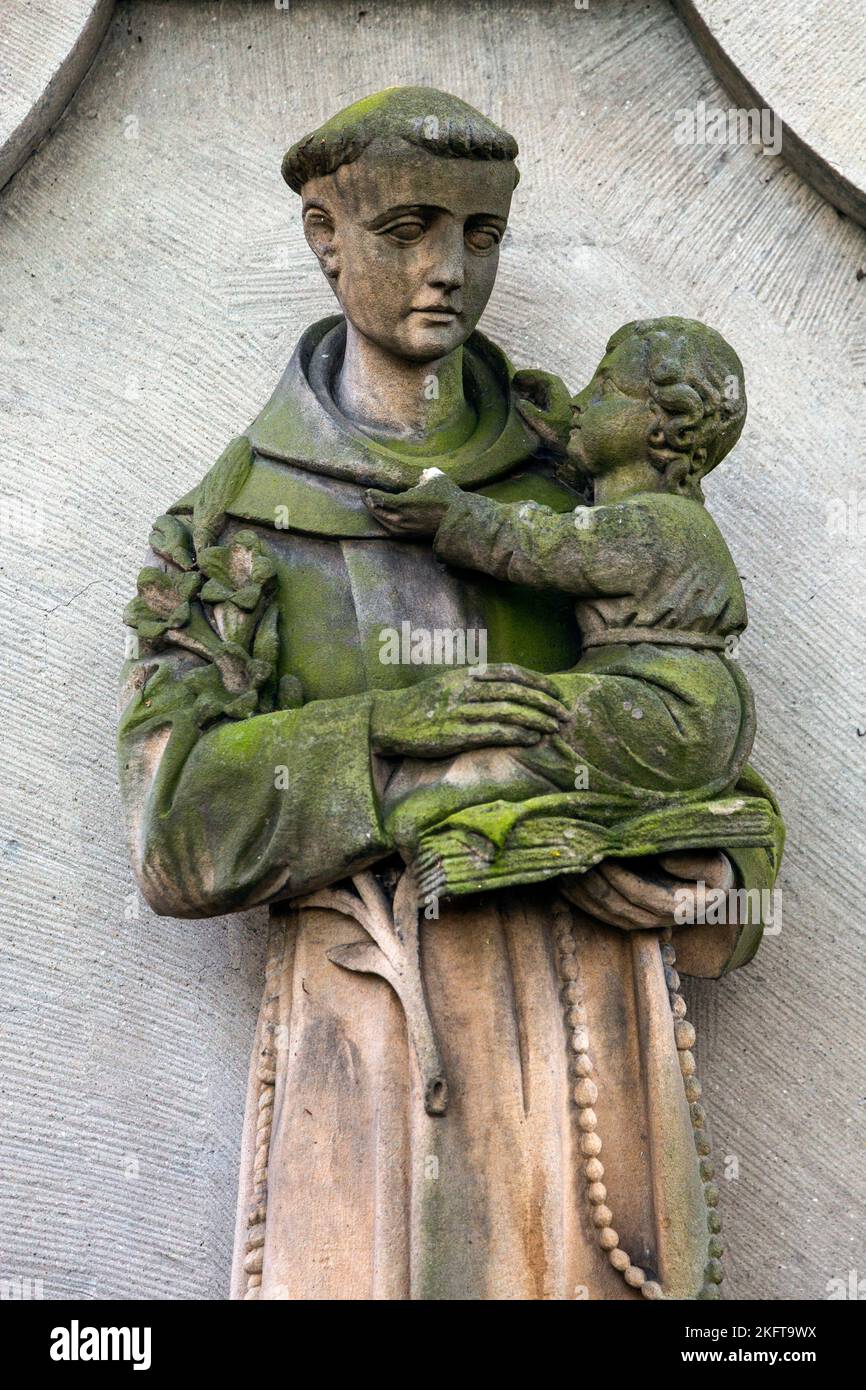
{"x":682,"y":525}
{"x":672,"y":509}
{"x":665,"y":519}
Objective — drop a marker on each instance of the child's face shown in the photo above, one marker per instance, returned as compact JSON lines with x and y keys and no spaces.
{"x":613,"y":415}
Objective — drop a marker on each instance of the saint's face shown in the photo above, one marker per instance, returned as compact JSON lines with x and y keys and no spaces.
{"x":614,"y":415}
{"x":410,"y":243}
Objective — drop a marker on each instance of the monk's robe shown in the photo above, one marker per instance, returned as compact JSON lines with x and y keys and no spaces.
{"x":353,"y":1185}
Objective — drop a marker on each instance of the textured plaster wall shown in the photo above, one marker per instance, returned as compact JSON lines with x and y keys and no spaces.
{"x":154,"y":281}
{"x":45,"y":50}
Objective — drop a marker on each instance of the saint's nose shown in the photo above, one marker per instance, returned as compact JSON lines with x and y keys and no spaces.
{"x":447,"y":272}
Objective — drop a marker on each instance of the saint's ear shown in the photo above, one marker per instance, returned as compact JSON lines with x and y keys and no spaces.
{"x":321,"y":236}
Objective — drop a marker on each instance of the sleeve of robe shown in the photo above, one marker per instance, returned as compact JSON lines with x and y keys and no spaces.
{"x":598,"y":550}
{"x":247,"y":810}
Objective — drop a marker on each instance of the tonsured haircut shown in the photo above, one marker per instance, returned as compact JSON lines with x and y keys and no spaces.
{"x":437,"y":122}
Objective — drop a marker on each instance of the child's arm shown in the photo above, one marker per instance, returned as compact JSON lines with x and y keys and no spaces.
{"x":591,"y":550}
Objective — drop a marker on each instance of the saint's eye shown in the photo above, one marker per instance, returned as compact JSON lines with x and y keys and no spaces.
{"x":483,"y":238}
{"x":316,"y":218}
{"x":406,"y":232}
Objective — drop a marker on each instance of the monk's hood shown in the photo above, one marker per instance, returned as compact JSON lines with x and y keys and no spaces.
{"x":303,"y":465}
{"x":302,"y":424}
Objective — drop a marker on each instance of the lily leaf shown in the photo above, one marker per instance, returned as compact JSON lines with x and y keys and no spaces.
{"x":363,"y":957}
{"x":290,"y":693}
{"x":247,"y":597}
{"x":172,"y":541}
{"x":215,"y":591}
{"x":266,"y":645}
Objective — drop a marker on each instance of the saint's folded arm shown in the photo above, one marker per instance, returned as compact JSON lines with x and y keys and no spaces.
{"x":245,"y":811}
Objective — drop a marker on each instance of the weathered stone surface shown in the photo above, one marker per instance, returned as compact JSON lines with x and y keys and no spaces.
{"x":45,"y":50}
{"x":157,"y":281}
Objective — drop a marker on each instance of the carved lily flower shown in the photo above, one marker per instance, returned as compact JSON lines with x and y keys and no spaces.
{"x":162,"y":603}
{"x":238,"y":572}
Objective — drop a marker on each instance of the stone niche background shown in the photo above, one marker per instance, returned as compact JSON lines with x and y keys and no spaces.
{"x":155,"y":280}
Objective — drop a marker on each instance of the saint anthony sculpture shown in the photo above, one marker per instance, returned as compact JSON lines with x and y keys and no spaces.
{"x":442,"y":665}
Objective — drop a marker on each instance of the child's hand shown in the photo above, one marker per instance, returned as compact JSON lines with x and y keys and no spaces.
{"x":419,"y":510}
{"x":545,"y":405}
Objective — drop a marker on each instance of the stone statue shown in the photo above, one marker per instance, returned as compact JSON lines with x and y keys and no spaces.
{"x":442,"y":664}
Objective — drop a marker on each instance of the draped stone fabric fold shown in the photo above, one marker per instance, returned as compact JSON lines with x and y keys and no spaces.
{"x":368,"y":1197}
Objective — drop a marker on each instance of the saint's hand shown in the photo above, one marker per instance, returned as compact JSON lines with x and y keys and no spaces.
{"x":480,"y":707}
{"x":419,"y":510}
{"x":646,"y":892}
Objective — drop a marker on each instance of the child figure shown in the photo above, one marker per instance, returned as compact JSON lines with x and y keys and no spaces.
{"x":659,"y":710}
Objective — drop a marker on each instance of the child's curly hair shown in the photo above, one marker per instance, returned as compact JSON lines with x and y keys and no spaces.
{"x":695,"y":380}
